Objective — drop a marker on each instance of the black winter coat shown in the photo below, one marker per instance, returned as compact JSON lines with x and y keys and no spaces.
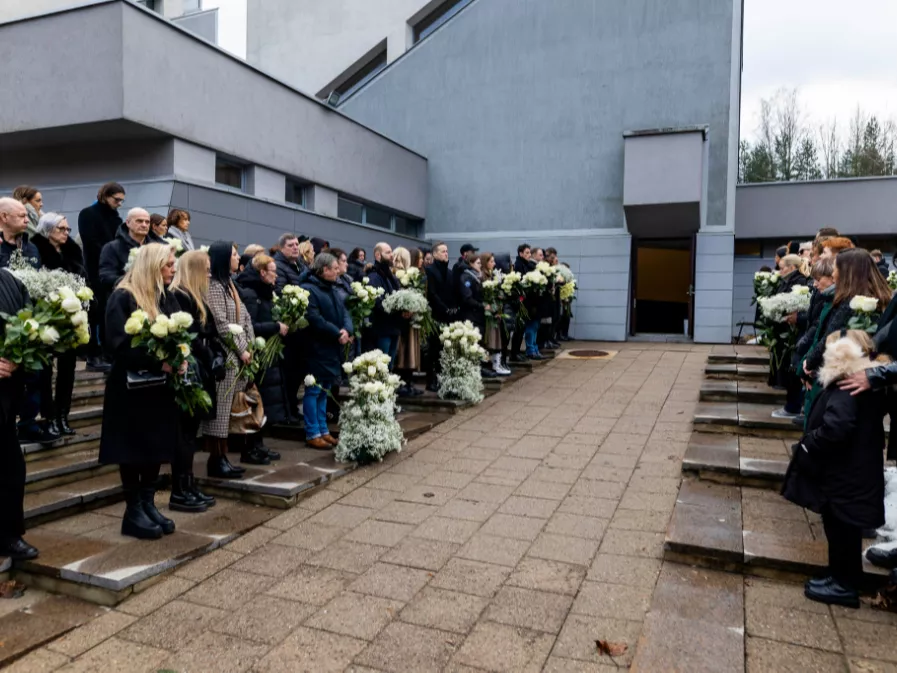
{"x":97,"y":225}
{"x":13,"y":298}
{"x":439,"y":292}
{"x":343,"y":289}
{"x":385,"y":324}
{"x":29,"y":251}
{"x":258,"y":297}
{"x":835,"y":321}
{"x":472,"y":307}
{"x":326,"y":317}
{"x":523,"y":267}
{"x":457,"y":271}
{"x":114,"y":258}
{"x":883,"y":268}
{"x":356,"y":270}
{"x":288,"y":273}
{"x":206,"y":348}
{"x":68,"y":258}
{"x":838,"y":462}
{"x":139,"y":426}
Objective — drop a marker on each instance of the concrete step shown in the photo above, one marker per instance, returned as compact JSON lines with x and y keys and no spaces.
{"x":753,"y":420}
{"x":759,"y":358}
{"x":748,"y":530}
{"x":88,"y":437}
{"x":751,"y":392}
{"x":86,"y":415}
{"x":734,"y":460}
{"x":64,"y":469}
{"x":66,"y":500}
{"x":90,"y":395}
{"x":737,"y":372}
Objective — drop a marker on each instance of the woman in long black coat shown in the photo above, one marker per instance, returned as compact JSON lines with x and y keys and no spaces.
{"x":256,"y":284}
{"x":141,"y":425}
{"x":58,"y":251}
{"x":837,"y":466}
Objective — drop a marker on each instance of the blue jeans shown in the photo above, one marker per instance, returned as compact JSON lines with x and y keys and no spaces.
{"x":390,"y":346}
{"x":314,"y":408}
{"x":530,"y":334}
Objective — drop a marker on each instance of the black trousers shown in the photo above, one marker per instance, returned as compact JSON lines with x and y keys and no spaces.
{"x":51,"y":405}
{"x":134,"y":477}
{"x":96,"y":315}
{"x":431,"y":363}
{"x":182,"y":462}
{"x":845,"y":548}
{"x":12,"y":466}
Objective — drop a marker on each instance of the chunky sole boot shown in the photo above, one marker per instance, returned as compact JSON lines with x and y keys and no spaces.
{"x":182,"y":499}
{"x":136,"y":523}
{"x":254,"y":457}
{"x":147,"y":499}
{"x":220,"y":468}
{"x":208,"y":500}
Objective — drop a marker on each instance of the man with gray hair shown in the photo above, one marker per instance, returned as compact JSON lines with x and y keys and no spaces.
{"x":114,"y":258}
{"x":290,"y":272}
{"x":13,"y":226}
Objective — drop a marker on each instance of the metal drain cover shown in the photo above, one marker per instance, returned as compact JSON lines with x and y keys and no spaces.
{"x":588,"y":354}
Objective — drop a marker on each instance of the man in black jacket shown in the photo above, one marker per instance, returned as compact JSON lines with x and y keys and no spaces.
{"x":13,"y":298}
{"x":289,"y":268}
{"x":523,"y":265}
{"x":13,"y":236}
{"x":114,"y":258}
{"x":443,"y":303}
{"x":468,"y":252}
{"x":97,"y":225}
{"x":383,"y":334}
{"x":880,"y":262}
{"x":290,"y":271}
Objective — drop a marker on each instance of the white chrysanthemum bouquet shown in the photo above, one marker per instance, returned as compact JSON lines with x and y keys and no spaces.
{"x":361,"y":304}
{"x":368,"y":426}
{"x":865,"y":314}
{"x":775,"y":310}
{"x":461,"y":357}
{"x":411,"y":278}
{"x":415,"y":303}
{"x":765,"y":284}
{"x":168,"y":339}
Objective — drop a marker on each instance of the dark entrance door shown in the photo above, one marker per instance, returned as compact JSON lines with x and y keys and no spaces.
{"x":662,"y":286}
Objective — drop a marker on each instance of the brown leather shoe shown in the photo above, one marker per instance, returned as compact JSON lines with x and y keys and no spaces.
{"x":318,"y":443}
{"x":330,"y":439}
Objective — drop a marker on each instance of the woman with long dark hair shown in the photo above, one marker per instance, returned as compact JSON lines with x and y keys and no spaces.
{"x":356,"y":264}
{"x":190,"y":288}
{"x":140,"y":423}
{"x":227,"y":309}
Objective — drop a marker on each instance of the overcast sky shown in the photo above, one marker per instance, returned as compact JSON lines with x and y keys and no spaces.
{"x":836,"y":53}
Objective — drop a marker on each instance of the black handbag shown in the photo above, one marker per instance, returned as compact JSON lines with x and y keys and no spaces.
{"x":144,"y":379}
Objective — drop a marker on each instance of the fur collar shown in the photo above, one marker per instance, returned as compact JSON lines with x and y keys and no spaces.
{"x":843,"y":358}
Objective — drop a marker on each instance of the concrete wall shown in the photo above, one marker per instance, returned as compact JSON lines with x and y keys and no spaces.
{"x":120,"y":62}
{"x":714,"y":278}
{"x":799,"y":209}
{"x":743,"y":289}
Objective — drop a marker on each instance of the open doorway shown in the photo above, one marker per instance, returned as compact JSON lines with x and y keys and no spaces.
{"x":662,"y":287}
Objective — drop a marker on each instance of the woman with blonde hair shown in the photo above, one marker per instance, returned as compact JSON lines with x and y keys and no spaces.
{"x":782,"y":373}
{"x":227,"y":309}
{"x":408,"y":354}
{"x":306,"y":254}
{"x":141,"y":416}
{"x":837,"y":467}
{"x":191,"y":287}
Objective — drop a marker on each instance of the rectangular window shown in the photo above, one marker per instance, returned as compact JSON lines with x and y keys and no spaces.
{"x":191,"y":6}
{"x":295,"y":193}
{"x":149,"y":4}
{"x":363,"y":76}
{"x":749,"y":248}
{"x":349,"y":210}
{"x":407,"y":226}
{"x":230,"y":173}
{"x":377,"y":218}
{"x":438,"y":17}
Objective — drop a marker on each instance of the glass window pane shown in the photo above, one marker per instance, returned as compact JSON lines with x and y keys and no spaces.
{"x":295,"y":193}
{"x":407,"y":226}
{"x":363,"y":76}
{"x":439,"y":16}
{"x":349,"y":210}
{"x":377,"y":218}
{"x":228,"y":173}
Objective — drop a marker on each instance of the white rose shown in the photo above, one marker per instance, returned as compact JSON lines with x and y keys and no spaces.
{"x":66,"y":292}
{"x":870,"y":304}
{"x":182,"y":319}
{"x":235,"y":329}
{"x":133,"y":326}
{"x":372,"y":371}
{"x":85,"y":294}
{"x":159,"y":330}
{"x":49,"y":335}
{"x":80,"y":318}
{"x":259,"y":342}
{"x":310,"y":381}
{"x":347,"y":367}
{"x":71,"y":305}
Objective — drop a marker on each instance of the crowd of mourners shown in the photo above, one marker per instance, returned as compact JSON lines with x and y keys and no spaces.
{"x":131,"y":265}
{"x":836,"y":372}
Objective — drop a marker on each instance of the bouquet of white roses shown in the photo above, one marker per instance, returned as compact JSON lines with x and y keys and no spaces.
{"x":494,"y":299}
{"x":260,"y":358}
{"x":60,"y":302}
{"x":773,"y":328}
{"x":177,"y":246}
{"x":568,"y":287}
{"x":25,"y":343}
{"x":765,"y":284}
{"x":368,"y":426}
{"x":289,"y":307}
{"x":415,"y":303}
{"x":361,"y":304}
{"x":461,"y":357}
{"x":412,"y":278}
{"x":168,"y":339}
{"x":865,"y":314}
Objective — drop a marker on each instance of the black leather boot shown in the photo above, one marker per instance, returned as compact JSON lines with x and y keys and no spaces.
{"x":182,"y":498}
{"x":147,"y":499}
{"x":219,"y":467}
{"x":136,"y":522}
{"x":251,"y":455}
{"x":62,"y":423}
{"x":882,"y":558}
{"x":259,"y":443}
{"x":194,"y":489}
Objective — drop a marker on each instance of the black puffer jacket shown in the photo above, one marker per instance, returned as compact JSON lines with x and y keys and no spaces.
{"x":68,"y":258}
{"x":288,"y":273}
{"x":114,"y":258}
{"x":439,"y":292}
{"x":326,"y":317}
{"x":97,"y":225}
{"x":385,"y":324}
{"x":29,"y":251}
{"x":258,"y":296}
{"x":835,"y":321}
{"x":883,"y":268}
{"x":472,"y":307}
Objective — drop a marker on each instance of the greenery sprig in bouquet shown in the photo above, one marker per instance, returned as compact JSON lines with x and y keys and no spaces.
{"x":865,"y":314}
{"x":892,"y":280}
{"x":168,"y":339}
{"x":461,"y":357}
{"x":368,"y":426}
{"x":361,"y":304}
{"x":415,"y":303}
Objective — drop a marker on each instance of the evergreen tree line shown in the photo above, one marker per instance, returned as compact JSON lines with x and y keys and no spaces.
{"x":789,"y":149}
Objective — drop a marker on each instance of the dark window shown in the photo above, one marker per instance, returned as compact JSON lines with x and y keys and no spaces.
{"x":229,"y":173}
{"x":407,"y":226}
{"x":295,"y":193}
{"x":437,"y":17}
{"x":363,"y":76}
{"x":349,"y":210}
{"x":377,"y":218}
{"x":749,"y":248}
{"x":149,"y":4}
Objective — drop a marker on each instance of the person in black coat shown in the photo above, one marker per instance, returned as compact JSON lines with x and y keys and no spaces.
{"x":58,"y":251}
{"x":114,"y":258}
{"x":326,"y":337}
{"x":782,"y":373}
{"x":141,"y":424}
{"x":530,"y":331}
{"x":837,"y":466}
{"x":256,"y":287}
{"x":356,"y":264}
{"x":13,"y":234}
{"x":97,"y":225}
{"x":383,"y":334}
{"x":444,"y":306}
{"x":468,"y":254}
{"x":880,"y":262}
{"x":290,"y":268}
{"x":471,"y":287}
{"x":13,"y":298}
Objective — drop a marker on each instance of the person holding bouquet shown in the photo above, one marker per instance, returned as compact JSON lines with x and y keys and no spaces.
{"x":385,"y":328}
{"x":497,"y":334}
{"x":408,"y":358}
{"x":782,"y":374}
{"x":227,"y":309}
{"x":190,"y":288}
{"x":141,"y":415}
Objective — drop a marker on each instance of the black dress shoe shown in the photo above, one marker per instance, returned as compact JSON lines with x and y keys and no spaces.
{"x":37,"y":435}
{"x":18,"y":550}
{"x":882,"y":558}
{"x":272,"y":455}
{"x":194,"y":489}
{"x":817,"y":582}
{"x":518,"y":359}
{"x":98,"y":365}
{"x":488,"y":374}
{"x":62,"y":424}
{"x":833,"y":593}
{"x":220,"y":468}
{"x":254,"y":457}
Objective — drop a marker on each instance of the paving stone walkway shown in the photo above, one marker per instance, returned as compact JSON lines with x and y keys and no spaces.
{"x":511,"y":538}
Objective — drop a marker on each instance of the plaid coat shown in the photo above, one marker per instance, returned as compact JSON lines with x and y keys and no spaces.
{"x":224,"y":312}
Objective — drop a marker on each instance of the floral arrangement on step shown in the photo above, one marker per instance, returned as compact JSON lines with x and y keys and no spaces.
{"x":410,"y":301}
{"x":461,"y":358}
{"x":368,"y":426}
{"x":412,"y":278}
{"x":774,"y":310}
{"x":865,"y":314}
{"x":361,"y":304}
{"x":168,"y":339}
